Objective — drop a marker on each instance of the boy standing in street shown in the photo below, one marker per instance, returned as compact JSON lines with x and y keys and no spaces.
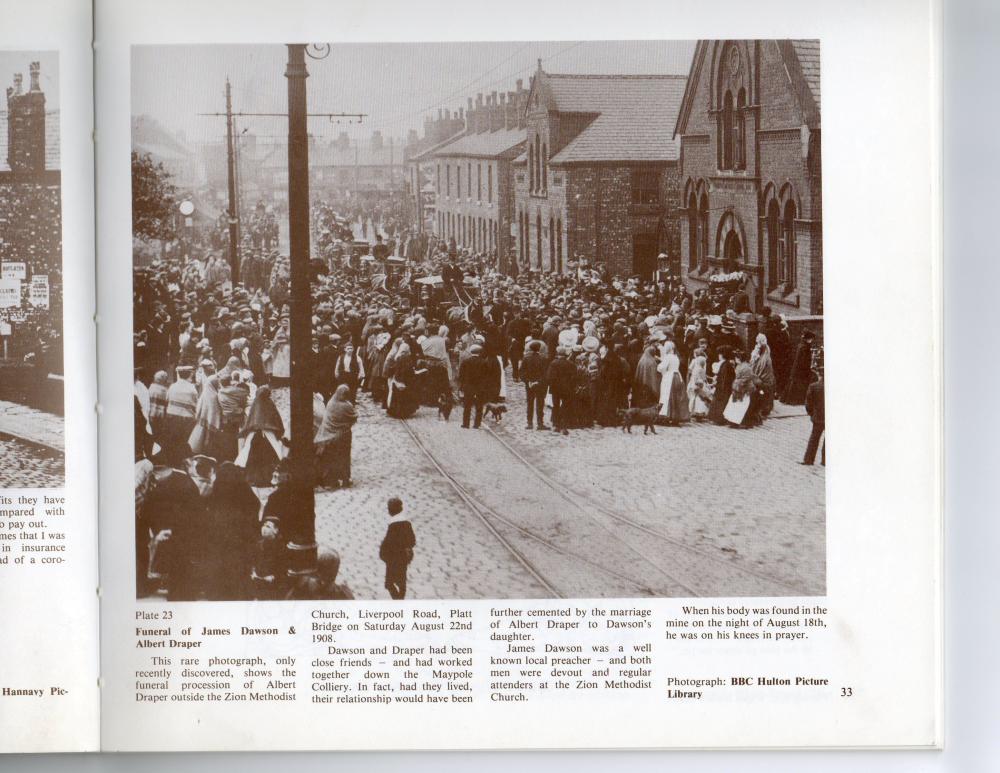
{"x":397,"y":550}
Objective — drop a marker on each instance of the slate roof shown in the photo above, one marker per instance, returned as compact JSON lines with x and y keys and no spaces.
{"x":52,"y":159}
{"x":807,"y":52}
{"x":483,"y":144}
{"x":428,"y":153}
{"x":633,"y":116}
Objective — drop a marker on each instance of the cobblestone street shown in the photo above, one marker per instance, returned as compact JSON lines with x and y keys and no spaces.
{"x":693,"y":511}
{"x":23,"y":465}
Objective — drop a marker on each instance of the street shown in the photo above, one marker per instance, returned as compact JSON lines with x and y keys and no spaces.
{"x":25,"y":465}
{"x":504,"y":512}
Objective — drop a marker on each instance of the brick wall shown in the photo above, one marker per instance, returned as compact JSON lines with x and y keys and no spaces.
{"x":782,"y":155}
{"x":31,"y":220}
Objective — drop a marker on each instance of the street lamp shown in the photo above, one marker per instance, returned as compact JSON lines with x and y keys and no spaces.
{"x":186,"y":208}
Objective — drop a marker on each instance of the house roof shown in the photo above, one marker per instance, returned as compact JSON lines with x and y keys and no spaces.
{"x":632,"y":115}
{"x":52,"y":159}
{"x":355,"y":155}
{"x":483,"y":144}
{"x":427,"y":153}
{"x":802,"y":63}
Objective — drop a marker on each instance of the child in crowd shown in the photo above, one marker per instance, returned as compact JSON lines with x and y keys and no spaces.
{"x":397,"y":550}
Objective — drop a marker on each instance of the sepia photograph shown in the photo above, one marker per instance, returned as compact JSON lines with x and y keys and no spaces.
{"x":480,"y":320}
{"x":32,"y":432}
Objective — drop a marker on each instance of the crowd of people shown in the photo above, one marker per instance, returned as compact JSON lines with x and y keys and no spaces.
{"x":586,"y":346}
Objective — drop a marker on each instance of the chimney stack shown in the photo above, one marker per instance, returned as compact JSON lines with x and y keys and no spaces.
{"x":26,"y":125}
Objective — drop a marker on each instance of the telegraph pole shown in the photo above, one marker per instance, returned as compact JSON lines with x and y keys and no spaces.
{"x":302,"y":537}
{"x":234,"y":222}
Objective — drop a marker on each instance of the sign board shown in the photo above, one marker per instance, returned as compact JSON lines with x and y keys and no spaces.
{"x":5,"y":329}
{"x":38,"y":292}
{"x":14,"y":271}
{"x":10,"y":293}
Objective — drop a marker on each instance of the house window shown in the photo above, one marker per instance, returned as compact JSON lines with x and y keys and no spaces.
{"x":559,"y":245}
{"x":703,"y":231}
{"x":479,"y":182}
{"x":645,"y":187}
{"x":773,"y":244}
{"x":552,"y":243}
{"x":458,"y":178}
{"x":693,"y":237}
{"x":739,"y":136}
{"x":447,"y":171}
{"x":531,"y":167}
{"x":545,"y":167}
{"x":489,"y":182}
{"x":538,"y":236}
{"x":726,"y":131}
{"x":439,"y":178}
{"x":790,"y":247}
{"x":468,"y":182}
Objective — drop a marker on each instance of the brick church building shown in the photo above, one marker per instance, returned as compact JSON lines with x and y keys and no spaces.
{"x":600,"y":176}
{"x":749,"y":133}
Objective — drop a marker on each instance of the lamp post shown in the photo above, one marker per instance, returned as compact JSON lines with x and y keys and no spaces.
{"x":302,"y":532}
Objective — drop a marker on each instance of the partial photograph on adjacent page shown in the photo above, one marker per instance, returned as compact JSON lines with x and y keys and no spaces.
{"x":555,"y":332}
{"x":32,"y":433}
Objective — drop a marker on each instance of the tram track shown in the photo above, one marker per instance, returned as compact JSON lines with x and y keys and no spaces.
{"x":766,"y":584}
{"x":497,"y":523}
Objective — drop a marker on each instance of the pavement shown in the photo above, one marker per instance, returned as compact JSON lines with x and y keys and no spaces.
{"x":697,"y":510}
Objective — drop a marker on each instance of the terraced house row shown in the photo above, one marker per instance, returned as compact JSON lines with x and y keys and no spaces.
{"x":715,"y":171}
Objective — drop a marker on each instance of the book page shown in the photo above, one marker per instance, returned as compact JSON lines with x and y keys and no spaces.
{"x":48,"y":439}
{"x":478,"y":377}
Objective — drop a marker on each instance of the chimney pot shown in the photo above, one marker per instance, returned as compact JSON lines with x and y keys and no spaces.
{"x":33,"y":73}
{"x":18,"y":80}
{"x":520,"y":84}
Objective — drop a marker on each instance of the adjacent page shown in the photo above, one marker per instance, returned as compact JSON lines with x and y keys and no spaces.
{"x":476,"y":375}
{"x":49,"y":699}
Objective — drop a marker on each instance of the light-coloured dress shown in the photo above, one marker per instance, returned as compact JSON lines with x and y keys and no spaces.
{"x":673,"y":394}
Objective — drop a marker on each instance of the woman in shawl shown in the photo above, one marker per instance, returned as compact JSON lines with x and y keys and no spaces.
{"x":333,"y":441}
{"x":158,"y":403}
{"x":281,"y":355}
{"x":646,"y":386}
{"x":349,"y":370}
{"x":723,"y":385}
{"x":384,"y":363}
{"x":206,"y":437}
{"x":229,"y":535}
{"x":234,"y":394}
{"x":403,"y":399}
{"x":261,"y":433}
{"x":760,"y":363}
{"x":610,"y":373}
{"x":699,"y":395}
{"x":743,"y":407}
{"x":673,"y":396}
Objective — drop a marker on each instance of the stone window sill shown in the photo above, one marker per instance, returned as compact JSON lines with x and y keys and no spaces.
{"x":786,"y":295}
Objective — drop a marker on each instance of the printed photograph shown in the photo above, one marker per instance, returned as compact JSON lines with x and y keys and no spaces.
{"x":477,"y":320}
{"x":32,"y":433}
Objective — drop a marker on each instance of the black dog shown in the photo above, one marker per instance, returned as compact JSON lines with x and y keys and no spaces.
{"x":645,"y":416}
{"x":496,"y":410}
{"x":445,"y":404}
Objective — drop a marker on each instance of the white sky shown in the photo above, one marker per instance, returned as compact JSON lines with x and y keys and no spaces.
{"x":397,"y":84}
{"x":18,"y":61}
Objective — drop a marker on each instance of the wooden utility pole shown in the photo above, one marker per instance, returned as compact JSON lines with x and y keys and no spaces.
{"x":302,"y":534}
{"x":234,"y":221}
